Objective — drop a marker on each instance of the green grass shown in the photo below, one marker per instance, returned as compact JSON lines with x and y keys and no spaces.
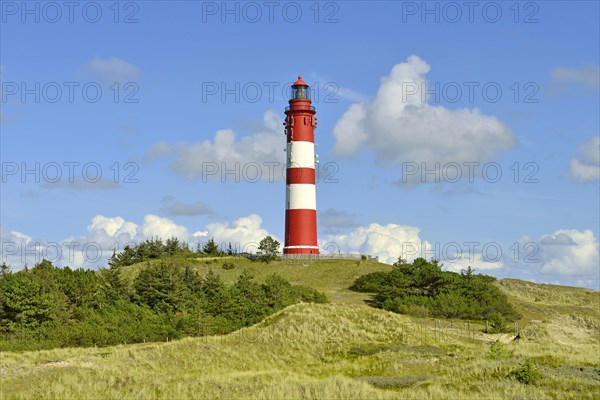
{"x":333,"y":277}
{"x":342,"y":350}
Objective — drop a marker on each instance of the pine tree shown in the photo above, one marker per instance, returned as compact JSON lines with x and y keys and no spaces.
{"x":211,"y":248}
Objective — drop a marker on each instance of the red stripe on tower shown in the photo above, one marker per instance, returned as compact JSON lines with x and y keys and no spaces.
{"x":301,"y":197}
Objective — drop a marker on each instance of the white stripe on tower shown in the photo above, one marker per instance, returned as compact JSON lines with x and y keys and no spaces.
{"x":301,"y":196}
{"x":301,"y":155}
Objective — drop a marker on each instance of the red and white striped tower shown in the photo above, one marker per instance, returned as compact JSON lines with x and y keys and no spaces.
{"x":301,"y":196}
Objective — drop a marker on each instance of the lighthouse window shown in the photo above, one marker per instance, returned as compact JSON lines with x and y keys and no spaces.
{"x":300,"y":92}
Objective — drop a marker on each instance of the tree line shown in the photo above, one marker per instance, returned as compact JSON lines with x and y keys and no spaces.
{"x":47,"y":306}
{"x":155,"y":248}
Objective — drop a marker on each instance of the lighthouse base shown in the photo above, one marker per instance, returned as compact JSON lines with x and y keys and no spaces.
{"x":300,"y":232}
{"x":301,"y":250}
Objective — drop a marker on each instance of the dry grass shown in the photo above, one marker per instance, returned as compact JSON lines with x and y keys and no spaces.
{"x":343,"y":350}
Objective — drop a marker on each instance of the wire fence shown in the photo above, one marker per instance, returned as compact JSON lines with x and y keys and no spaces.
{"x":330,"y":256}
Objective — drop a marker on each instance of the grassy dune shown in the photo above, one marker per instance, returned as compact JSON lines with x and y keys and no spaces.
{"x":342,"y":350}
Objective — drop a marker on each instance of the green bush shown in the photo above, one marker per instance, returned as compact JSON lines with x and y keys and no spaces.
{"x":528,"y":373}
{"x":310,"y":295}
{"x":497,"y":323}
{"x":498,"y":351}
{"x":373,"y":282}
{"x":422,"y":288}
{"x":228,"y":266}
{"x":47,"y":307}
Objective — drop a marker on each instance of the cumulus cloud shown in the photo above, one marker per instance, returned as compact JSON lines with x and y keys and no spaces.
{"x":112,"y":69}
{"x":110,"y":229}
{"x":401,"y":126}
{"x":586,"y":167}
{"x":566,"y":257}
{"x":155,"y":226}
{"x":586,"y":76}
{"x":11,"y":242}
{"x":569,"y":252}
{"x":388,"y":242}
{"x":227,"y":158}
{"x":106,"y":234}
{"x":244,"y":233}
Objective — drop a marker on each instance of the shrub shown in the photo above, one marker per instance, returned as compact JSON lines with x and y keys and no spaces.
{"x":228,"y":266}
{"x":497,"y":323}
{"x":498,"y":351}
{"x":373,"y":282}
{"x":310,"y":295}
{"x":528,"y":373}
{"x":422,"y":288}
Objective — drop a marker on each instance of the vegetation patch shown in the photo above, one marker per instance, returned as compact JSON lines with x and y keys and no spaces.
{"x":392,"y":382}
{"x":47,"y":307}
{"x":499,"y":351}
{"x":527,"y":373}
{"x":573,"y":371}
{"x":422,"y":288}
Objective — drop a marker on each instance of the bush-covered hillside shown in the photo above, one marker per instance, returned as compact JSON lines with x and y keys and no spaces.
{"x":46,"y":306}
{"x":422,"y":288}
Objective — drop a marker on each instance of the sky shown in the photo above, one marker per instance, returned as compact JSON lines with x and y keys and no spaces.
{"x":462,"y":131}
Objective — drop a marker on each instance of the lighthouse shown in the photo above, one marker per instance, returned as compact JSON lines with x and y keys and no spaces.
{"x":300,"y":192}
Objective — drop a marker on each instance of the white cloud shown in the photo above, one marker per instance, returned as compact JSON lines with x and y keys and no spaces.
{"x":391,"y":241}
{"x":244,"y":233}
{"x":348,"y":134}
{"x":15,"y":246}
{"x":104,"y":228}
{"x":163,"y":228}
{"x":13,"y":236}
{"x":11,"y":245}
{"x":388,"y":242}
{"x":226,"y":158}
{"x":105,"y":234}
{"x":586,"y":76}
{"x":586,"y":167}
{"x":112,"y":70}
{"x":401,"y":126}
{"x":569,"y":252}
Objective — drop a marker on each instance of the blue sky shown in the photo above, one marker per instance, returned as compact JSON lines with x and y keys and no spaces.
{"x":192,"y":89}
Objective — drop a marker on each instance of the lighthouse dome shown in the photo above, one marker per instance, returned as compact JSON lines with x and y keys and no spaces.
{"x":300,"y":82}
{"x":300,"y":89}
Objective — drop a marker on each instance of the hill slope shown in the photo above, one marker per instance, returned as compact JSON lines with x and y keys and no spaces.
{"x":337,"y":351}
